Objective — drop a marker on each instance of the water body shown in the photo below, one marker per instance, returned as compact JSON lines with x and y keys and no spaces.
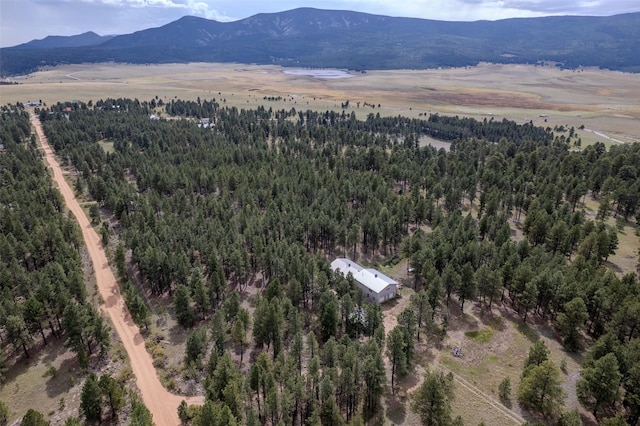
{"x":327,"y":74}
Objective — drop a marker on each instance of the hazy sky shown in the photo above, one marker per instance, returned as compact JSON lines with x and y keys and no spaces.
{"x":25,"y":20}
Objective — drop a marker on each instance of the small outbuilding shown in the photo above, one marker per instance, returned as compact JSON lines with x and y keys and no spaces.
{"x":374,"y":285}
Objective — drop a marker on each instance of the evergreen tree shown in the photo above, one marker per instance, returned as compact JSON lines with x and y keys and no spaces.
{"x":74,"y":322}
{"x":466,"y":289}
{"x":239,"y":334}
{"x":113,"y":392}
{"x":571,"y":321}
{"x":432,"y":400}
{"x":397,"y":355}
{"x":541,"y":390}
{"x":200,"y":292}
{"x":407,"y":323}
{"x":328,"y":316}
{"x":195,"y":346}
{"x":422,"y":309}
{"x":3,"y":367}
{"x":570,"y":418}
{"x":504,"y":389}
{"x":599,"y":386}
{"x":538,"y":353}
{"x":373,"y":373}
{"x":140,"y":414}
{"x":34,"y":418}
{"x":91,"y":399}
{"x":17,"y":333}
{"x":182,"y":306}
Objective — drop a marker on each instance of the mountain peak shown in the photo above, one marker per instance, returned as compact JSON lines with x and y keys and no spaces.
{"x":310,"y":37}
{"x":85,"y":39}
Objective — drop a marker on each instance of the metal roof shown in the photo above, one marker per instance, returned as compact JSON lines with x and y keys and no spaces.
{"x":371,"y":278}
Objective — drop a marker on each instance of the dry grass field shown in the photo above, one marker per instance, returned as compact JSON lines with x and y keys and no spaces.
{"x":605,"y":102}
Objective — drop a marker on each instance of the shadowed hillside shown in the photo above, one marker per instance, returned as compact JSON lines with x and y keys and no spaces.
{"x":343,"y":39}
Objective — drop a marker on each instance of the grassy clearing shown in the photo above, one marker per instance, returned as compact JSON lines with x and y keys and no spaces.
{"x":47,"y":382}
{"x":494,"y":347}
{"x":480,"y":336}
{"x":475,"y":411}
{"x":625,"y":259}
{"x":107,"y":146}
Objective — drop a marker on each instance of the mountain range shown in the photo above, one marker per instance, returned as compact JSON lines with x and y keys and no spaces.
{"x":308,"y":37}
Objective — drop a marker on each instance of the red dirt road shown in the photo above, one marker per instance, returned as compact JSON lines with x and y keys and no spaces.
{"x":162,"y":404}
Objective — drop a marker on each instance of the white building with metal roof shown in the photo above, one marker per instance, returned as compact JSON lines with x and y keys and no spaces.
{"x":374,"y":285}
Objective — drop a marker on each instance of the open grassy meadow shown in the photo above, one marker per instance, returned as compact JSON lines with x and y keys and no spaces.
{"x":604,"y":102}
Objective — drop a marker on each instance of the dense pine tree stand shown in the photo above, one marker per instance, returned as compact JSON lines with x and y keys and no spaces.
{"x":264,"y":199}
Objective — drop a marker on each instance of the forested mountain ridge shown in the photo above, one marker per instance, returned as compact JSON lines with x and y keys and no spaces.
{"x":344,"y":39}
{"x":55,"y":42}
{"x":275,"y":194}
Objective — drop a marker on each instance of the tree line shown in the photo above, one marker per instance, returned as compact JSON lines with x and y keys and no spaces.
{"x":42,"y":288}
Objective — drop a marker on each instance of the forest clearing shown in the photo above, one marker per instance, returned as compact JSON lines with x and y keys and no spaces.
{"x":221,"y":246}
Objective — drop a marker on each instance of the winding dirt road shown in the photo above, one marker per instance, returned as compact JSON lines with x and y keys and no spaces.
{"x":162,"y":404}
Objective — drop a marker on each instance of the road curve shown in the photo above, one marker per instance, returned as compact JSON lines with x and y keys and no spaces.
{"x":162,"y":404}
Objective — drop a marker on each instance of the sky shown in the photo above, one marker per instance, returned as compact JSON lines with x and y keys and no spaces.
{"x":25,"y":20}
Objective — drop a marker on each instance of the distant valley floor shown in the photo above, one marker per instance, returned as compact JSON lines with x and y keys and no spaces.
{"x":604,"y":101}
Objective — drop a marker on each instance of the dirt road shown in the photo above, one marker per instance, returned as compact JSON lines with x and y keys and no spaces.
{"x":162,"y":404}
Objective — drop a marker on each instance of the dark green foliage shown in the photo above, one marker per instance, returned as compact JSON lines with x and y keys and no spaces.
{"x":422,"y":309}
{"x":94,"y":214}
{"x":91,"y":399}
{"x":232,"y":305}
{"x":212,"y":414}
{"x":34,"y":418}
{"x":374,"y":377}
{"x":268,"y":197}
{"x":138,"y":308}
{"x":614,"y":421}
{"x":239,"y":331}
{"x":199,"y":291}
{"x":570,"y":418}
{"x":538,"y":353}
{"x":140,"y":414}
{"x":397,"y":355}
{"x":194,"y":349}
{"x":119,"y":258}
{"x":571,"y":321}
{"x":183,"y":412}
{"x":504,"y":389}
{"x":541,"y":389}
{"x":40,"y":266}
{"x":113,"y":393}
{"x":182,"y":305}
{"x":328,"y":316}
{"x":408,"y":325}
{"x":598,"y":389}
{"x":432,"y":400}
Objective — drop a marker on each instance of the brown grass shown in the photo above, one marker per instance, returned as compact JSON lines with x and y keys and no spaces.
{"x":625,"y":259}
{"x":603,"y":101}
